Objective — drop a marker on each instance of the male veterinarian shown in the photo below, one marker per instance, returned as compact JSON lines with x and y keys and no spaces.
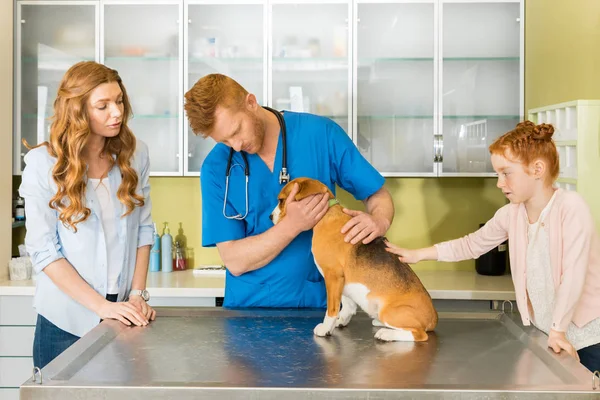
{"x":267,"y":265}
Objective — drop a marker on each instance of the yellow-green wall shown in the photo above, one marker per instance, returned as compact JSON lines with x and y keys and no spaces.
{"x":562,"y":51}
{"x":427,"y":211}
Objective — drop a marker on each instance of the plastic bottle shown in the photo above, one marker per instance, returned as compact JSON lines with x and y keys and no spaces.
{"x":166,"y":245}
{"x":20,"y":209}
{"x":155,"y":252}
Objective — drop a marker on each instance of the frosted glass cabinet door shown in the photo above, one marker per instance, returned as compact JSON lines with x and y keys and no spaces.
{"x":142,"y":42}
{"x":395,"y":86}
{"x":310,"y":59}
{"x":46,"y":48}
{"x":480,"y":83}
{"x":226,"y":39}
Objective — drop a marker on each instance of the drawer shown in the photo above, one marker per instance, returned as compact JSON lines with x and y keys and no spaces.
{"x":14,"y":371}
{"x":9,"y":394}
{"x":17,"y":310}
{"x":16,"y":340}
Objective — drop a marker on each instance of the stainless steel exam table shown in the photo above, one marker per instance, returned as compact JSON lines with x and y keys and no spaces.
{"x":215,"y":353}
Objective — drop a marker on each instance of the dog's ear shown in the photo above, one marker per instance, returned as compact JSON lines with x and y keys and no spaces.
{"x":310,"y":187}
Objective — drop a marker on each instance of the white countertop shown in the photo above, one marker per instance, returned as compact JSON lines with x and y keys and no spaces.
{"x":447,"y":285}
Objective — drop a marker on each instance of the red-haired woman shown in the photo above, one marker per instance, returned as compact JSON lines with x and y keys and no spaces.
{"x":89,"y":224}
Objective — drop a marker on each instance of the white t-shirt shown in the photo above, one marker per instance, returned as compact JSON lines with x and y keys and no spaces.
{"x":111,"y":237}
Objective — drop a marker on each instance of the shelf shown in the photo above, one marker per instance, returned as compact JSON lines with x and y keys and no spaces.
{"x":155,"y":116}
{"x":412,"y":59}
{"x":18,"y":224}
{"x":163,"y":116}
{"x":481,"y":117}
{"x":135,"y":116}
{"x":445,"y":117}
{"x":395,"y":117}
{"x":141,"y":58}
{"x":394,"y":59}
{"x":481,"y":58}
{"x":31,"y":59}
{"x":311,"y":59}
{"x":226,"y":59}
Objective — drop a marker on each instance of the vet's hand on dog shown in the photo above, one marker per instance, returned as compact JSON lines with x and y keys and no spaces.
{"x":405,"y":255}
{"x":306,"y":213}
{"x":363,"y":226}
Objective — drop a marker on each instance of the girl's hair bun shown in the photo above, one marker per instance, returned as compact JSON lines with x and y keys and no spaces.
{"x":538,"y":132}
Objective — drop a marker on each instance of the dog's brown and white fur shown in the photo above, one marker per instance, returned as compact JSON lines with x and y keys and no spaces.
{"x":364,"y":275}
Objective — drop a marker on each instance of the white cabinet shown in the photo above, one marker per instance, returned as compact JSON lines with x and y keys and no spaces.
{"x":421,"y":86}
{"x":396,"y":73}
{"x":45,"y":48}
{"x":481,"y":75}
{"x":228,"y":39}
{"x":143,"y":42}
{"x":17,"y":327}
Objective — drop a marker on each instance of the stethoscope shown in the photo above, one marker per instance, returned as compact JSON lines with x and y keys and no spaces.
{"x":284,"y":177}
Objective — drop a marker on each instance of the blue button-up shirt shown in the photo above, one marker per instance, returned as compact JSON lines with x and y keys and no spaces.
{"x":48,"y":240}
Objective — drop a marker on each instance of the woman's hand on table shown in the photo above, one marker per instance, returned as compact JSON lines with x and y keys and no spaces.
{"x":138,"y":302}
{"x":125,"y":312}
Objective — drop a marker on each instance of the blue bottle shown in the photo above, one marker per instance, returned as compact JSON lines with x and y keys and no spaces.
{"x":166,"y":245}
{"x":155,"y":252}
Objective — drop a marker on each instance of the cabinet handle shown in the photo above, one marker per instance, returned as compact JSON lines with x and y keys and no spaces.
{"x":22,"y":21}
{"x":189,"y":21}
{"x":437,"y":146}
{"x":441,"y":146}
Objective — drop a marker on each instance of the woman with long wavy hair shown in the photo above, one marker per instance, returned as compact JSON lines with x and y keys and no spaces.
{"x":89,"y":224}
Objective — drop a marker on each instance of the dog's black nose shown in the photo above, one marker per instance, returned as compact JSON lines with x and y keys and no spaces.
{"x":271,"y":217}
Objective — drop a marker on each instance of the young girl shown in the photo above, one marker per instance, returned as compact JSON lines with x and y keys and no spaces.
{"x":89,"y":226}
{"x":555,"y":249}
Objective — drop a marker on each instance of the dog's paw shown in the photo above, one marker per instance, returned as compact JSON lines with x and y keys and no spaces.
{"x":343,"y":320}
{"x":322,"y":330}
{"x":394,"y":335}
{"x":377,"y":322}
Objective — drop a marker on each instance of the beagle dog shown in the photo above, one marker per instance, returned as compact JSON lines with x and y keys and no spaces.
{"x":366,"y":275}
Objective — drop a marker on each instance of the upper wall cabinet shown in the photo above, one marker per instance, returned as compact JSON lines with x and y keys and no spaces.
{"x":480,"y":81}
{"x":45,"y":48}
{"x":228,"y":39}
{"x":421,"y":86}
{"x":144,"y":43}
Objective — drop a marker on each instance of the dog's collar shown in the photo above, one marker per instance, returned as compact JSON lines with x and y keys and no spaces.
{"x":333,"y":202}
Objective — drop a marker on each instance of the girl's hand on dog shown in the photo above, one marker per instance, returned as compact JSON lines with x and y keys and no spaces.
{"x":412,"y":256}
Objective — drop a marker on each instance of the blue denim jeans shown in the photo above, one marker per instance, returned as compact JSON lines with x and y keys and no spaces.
{"x":50,"y":341}
{"x":590,"y":357}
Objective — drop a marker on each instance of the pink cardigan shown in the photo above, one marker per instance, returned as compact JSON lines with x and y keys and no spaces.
{"x":574,"y":256}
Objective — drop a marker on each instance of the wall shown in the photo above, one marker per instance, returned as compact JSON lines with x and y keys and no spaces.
{"x":427,"y":211}
{"x":562,"y":57}
{"x":6,"y":110}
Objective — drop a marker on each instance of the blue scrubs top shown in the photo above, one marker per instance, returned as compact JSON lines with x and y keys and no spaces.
{"x":317,"y":148}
